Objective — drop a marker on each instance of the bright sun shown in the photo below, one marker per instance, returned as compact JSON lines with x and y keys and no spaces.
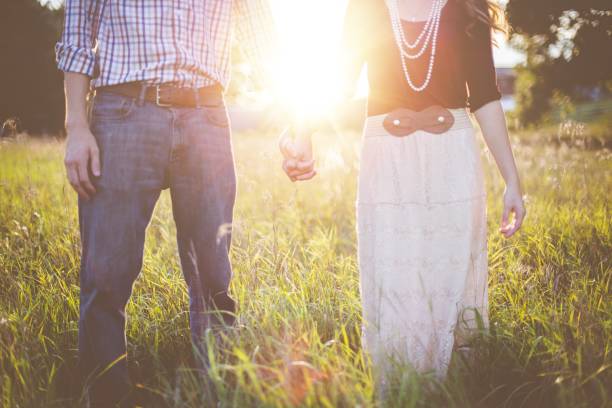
{"x":310,"y":32}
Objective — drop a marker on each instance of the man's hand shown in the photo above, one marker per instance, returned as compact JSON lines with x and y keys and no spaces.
{"x":82,"y":154}
{"x":298,"y":162}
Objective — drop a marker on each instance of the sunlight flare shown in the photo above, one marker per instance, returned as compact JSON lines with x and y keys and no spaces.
{"x":306,"y":78}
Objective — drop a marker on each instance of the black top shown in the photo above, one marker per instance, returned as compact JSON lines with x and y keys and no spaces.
{"x":463,"y":73}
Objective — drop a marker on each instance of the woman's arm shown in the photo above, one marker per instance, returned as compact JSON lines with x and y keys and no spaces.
{"x":492,"y":122}
{"x":484,"y":102}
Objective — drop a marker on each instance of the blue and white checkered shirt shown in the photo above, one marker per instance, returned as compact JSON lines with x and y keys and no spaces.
{"x":182,"y":42}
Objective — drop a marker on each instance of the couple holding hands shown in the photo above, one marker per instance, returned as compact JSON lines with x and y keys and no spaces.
{"x":158,"y":120}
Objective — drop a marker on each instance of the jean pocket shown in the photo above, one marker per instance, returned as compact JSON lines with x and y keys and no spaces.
{"x":217,"y":116}
{"x":110,"y":106}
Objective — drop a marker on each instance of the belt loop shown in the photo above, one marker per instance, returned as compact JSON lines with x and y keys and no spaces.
{"x":196,"y":91}
{"x":141,"y":96}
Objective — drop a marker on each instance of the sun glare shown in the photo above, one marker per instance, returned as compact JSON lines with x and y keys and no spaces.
{"x":306,"y":77}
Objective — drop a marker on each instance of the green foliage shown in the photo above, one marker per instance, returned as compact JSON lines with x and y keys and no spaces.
{"x":296,"y":281}
{"x":30,"y":84}
{"x":532,"y":95}
{"x":568,"y":44}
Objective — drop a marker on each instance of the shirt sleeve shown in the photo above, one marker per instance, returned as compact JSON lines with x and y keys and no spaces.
{"x":75,"y":50}
{"x":354,"y":45}
{"x":256,"y":33}
{"x":481,"y":75}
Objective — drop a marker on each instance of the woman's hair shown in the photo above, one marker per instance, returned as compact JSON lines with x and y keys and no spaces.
{"x":486,"y":12}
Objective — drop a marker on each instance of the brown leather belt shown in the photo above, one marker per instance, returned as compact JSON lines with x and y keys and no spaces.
{"x":404,"y":122}
{"x":168,"y":96}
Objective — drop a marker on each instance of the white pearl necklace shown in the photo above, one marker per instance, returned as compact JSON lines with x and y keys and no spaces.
{"x":429,"y":36}
{"x":426,"y":28}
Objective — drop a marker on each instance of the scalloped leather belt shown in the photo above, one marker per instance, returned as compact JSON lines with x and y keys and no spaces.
{"x":403,"y":122}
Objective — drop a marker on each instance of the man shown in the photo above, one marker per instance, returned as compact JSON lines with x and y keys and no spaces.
{"x":157,"y":121}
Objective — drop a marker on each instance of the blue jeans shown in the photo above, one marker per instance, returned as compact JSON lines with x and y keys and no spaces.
{"x":144,"y":149}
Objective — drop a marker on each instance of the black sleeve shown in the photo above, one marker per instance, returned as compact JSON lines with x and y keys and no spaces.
{"x":354,"y":44}
{"x":481,"y":76}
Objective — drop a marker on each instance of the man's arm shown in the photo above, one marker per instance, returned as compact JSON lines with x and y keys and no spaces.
{"x":75,"y":56}
{"x":74,"y":51}
{"x":81,"y":148}
{"x":258,"y":39}
{"x":256,"y":33}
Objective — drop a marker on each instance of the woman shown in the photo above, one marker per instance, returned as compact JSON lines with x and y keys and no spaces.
{"x":421,"y":208}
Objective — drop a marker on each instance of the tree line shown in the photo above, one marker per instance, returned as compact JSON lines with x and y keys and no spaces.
{"x":31,"y":91}
{"x":567,"y":43}
{"x":568,"y":48}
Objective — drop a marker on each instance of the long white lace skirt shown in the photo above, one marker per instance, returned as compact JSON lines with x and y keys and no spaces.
{"x":422,"y":238}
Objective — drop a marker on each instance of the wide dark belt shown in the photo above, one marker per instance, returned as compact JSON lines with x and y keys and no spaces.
{"x":167,"y":95}
{"x":404,"y":122}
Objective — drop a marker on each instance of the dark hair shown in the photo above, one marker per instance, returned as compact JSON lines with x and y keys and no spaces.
{"x":485,"y":12}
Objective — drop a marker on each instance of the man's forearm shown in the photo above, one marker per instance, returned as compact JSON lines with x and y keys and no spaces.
{"x":76,"y":88}
{"x":82,"y":153}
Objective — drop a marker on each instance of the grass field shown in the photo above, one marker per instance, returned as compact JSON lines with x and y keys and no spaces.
{"x":296,"y":281}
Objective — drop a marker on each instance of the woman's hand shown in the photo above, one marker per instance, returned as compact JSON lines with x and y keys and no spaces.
{"x":492,"y":122}
{"x":513,"y":204}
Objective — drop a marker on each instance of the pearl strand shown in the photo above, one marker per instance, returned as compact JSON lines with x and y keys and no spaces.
{"x":430,"y":24}
{"x":433,"y":30}
{"x":426,"y":27}
{"x":399,"y":32}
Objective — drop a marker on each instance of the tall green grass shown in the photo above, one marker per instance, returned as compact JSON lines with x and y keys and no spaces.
{"x":297,"y":342}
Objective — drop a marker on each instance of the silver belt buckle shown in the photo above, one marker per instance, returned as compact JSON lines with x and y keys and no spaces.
{"x":157,"y":99}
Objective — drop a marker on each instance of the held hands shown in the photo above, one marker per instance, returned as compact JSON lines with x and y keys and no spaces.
{"x":82,"y":155}
{"x":513,"y":204}
{"x":298,"y":162}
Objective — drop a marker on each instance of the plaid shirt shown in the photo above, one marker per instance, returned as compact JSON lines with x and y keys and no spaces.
{"x":183,"y":42}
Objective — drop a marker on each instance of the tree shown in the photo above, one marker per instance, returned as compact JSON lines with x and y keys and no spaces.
{"x":568,"y":44}
{"x":30,"y":84}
